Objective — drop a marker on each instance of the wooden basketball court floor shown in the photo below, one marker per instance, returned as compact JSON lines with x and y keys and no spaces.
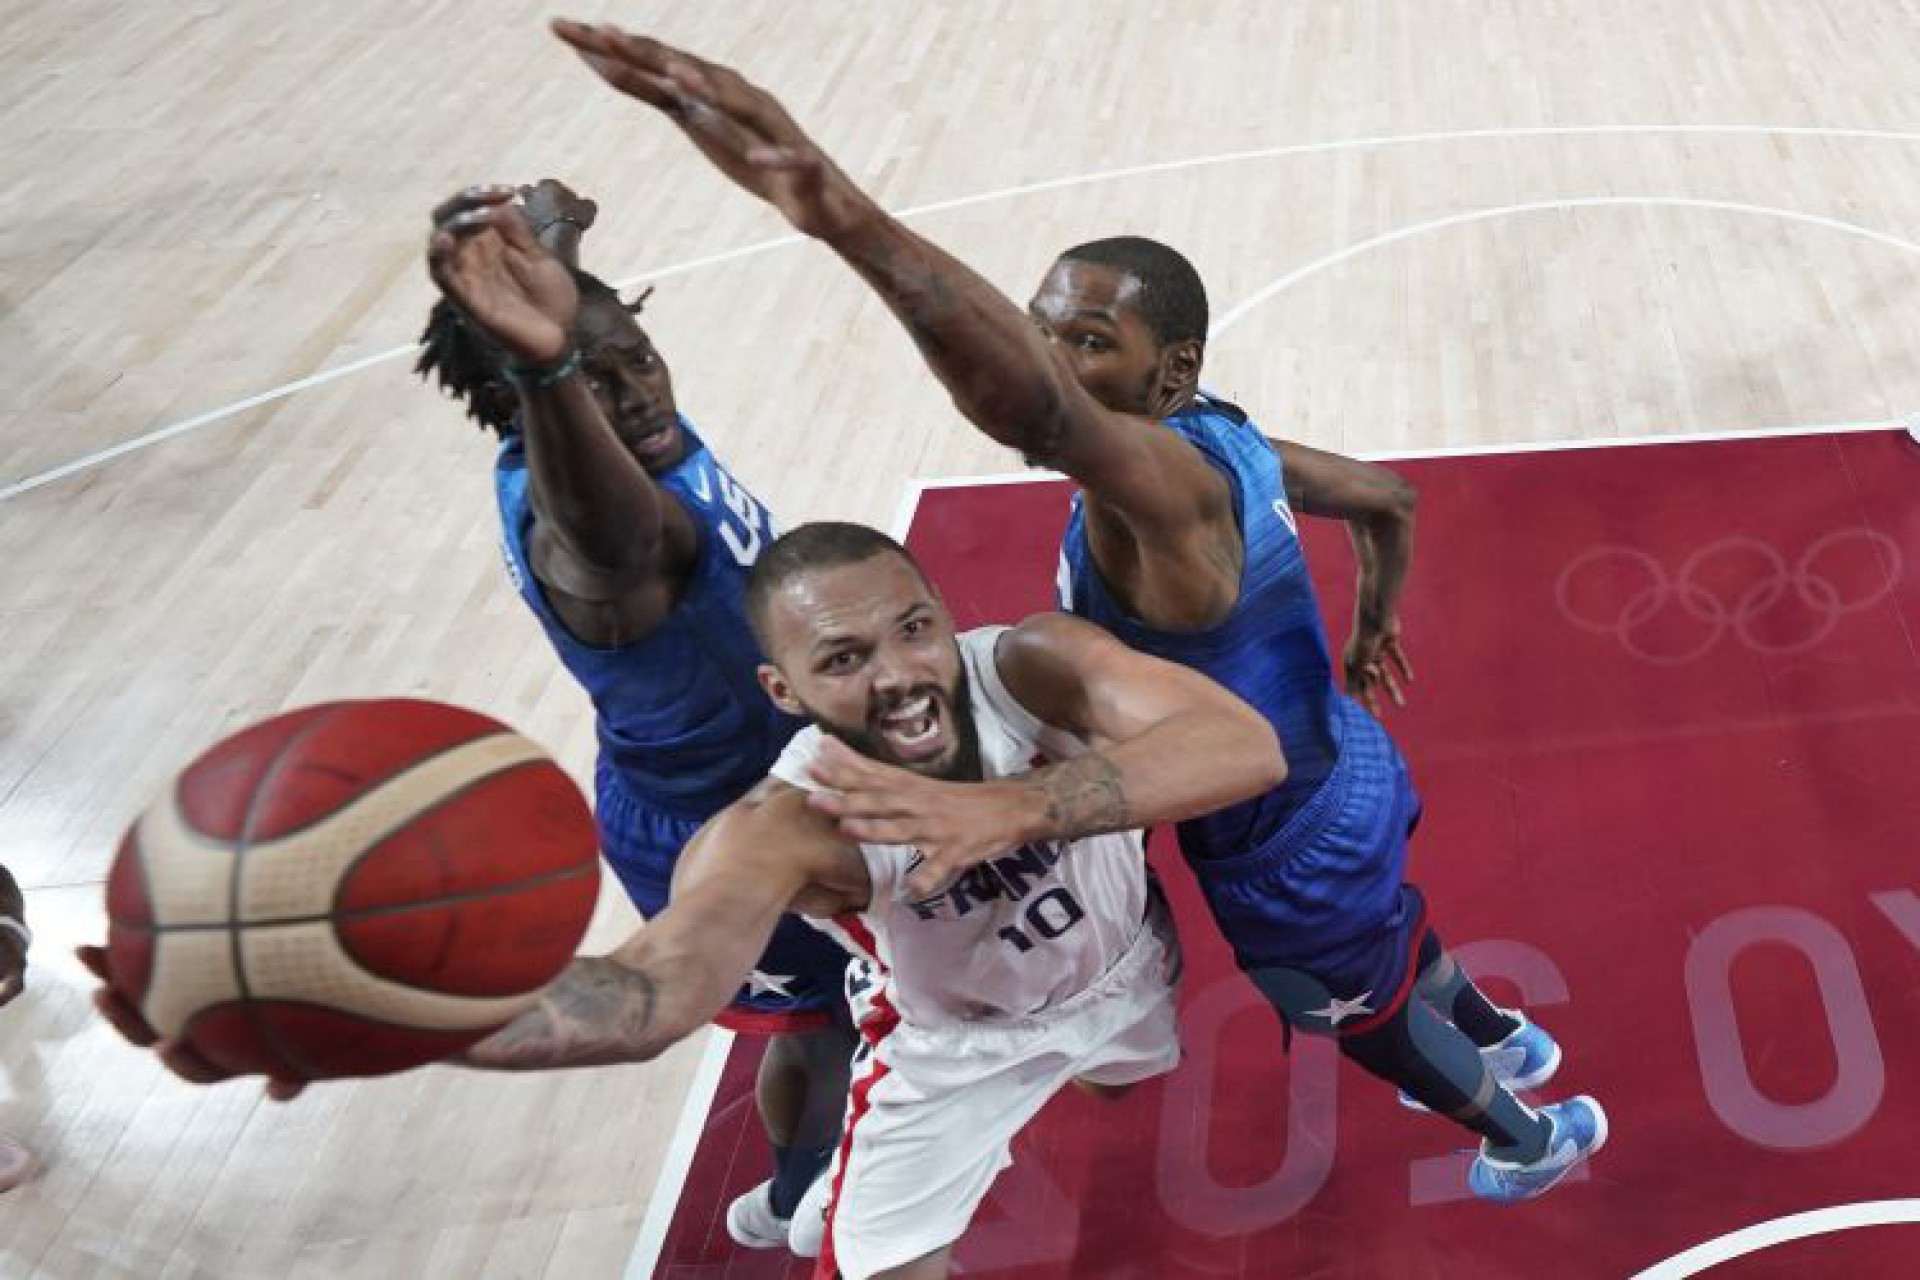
{"x":1424,"y":226}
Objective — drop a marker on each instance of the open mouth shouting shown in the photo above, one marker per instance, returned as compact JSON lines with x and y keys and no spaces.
{"x":917,"y":728}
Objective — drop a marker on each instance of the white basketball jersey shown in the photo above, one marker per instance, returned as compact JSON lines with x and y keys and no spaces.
{"x":1015,"y":935}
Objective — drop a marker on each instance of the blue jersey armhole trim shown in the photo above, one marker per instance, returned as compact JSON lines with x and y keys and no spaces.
{"x":542,"y":605}
{"x":1225,"y":468}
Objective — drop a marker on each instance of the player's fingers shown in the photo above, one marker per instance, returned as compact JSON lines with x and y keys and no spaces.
{"x":94,"y":961}
{"x":634,"y":65}
{"x":655,"y":90}
{"x":284,"y":1090}
{"x":927,"y":879}
{"x":440,"y":249}
{"x":839,"y":765}
{"x":1391,"y":685}
{"x":123,"y":1017}
{"x":935,"y":871}
{"x":746,"y":101}
{"x":186,"y":1062}
{"x":854,"y":805}
{"x":940,"y":867}
{"x":1398,"y":656}
{"x":627,"y":48}
{"x":510,"y":220}
{"x":858,"y":804}
{"x":720,"y":135}
{"x":471,"y":198}
{"x":452,"y":259}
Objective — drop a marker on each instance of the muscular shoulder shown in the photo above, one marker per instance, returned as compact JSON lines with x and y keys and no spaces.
{"x":1043,"y":662}
{"x":1173,"y":561}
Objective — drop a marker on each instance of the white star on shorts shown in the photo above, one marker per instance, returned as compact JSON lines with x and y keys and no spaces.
{"x":775,"y":984}
{"x":1338,"y":1010}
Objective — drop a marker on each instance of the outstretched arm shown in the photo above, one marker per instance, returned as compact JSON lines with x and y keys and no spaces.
{"x":1003,"y":375}
{"x":734,"y":880}
{"x":1169,"y":744}
{"x":1378,"y":507}
{"x":759,"y":857}
{"x":613,"y":532}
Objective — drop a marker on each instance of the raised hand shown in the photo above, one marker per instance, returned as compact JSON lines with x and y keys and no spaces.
{"x":182,"y":1059}
{"x":1375,"y":662}
{"x":550,"y":201}
{"x":954,"y":825}
{"x":741,"y":128}
{"x":484,"y":257}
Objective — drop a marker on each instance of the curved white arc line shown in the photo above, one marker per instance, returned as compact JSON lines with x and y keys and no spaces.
{"x":1006,"y":193}
{"x":1798,"y":1226}
{"x":1400,"y":140}
{"x":1291,"y":278}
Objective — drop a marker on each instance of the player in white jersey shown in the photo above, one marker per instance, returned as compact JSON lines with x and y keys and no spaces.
{"x":1051,"y":962}
{"x":1045,"y":745}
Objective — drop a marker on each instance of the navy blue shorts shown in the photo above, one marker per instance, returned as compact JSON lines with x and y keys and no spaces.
{"x":1320,"y":915}
{"x":798,"y":985}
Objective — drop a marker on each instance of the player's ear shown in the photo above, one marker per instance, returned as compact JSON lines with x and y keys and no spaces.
{"x":779,"y":690}
{"x":1180,"y":366}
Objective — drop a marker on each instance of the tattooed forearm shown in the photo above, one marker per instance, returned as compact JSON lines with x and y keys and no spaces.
{"x":599,"y":1011}
{"x":1084,"y":797}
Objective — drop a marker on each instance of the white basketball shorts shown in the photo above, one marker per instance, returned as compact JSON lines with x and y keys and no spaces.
{"x":933,"y":1110}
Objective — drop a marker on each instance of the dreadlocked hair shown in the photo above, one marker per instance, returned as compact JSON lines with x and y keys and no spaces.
{"x":466,"y":364}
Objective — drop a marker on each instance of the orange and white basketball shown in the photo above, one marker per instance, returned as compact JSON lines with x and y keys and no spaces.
{"x":351,"y":889}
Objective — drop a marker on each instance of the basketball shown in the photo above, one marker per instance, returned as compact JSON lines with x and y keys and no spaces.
{"x":352,"y":889}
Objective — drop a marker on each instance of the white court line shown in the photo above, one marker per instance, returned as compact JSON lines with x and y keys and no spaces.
{"x":1004,"y":193}
{"x":1764,"y":1235}
{"x":680,"y":1152}
{"x":1287,"y":281}
{"x":917,"y":488}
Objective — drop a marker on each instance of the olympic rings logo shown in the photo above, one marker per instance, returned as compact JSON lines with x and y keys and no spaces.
{"x":1737,"y":584}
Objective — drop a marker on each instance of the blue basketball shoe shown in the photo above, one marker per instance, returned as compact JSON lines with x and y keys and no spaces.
{"x":1526,"y":1059}
{"x":1579,"y":1130}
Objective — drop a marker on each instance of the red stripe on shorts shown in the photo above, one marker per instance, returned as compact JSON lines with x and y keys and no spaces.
{"x":874,"y":1030}
{"x":1379,"y":1017}
{"x":772,"y":1022}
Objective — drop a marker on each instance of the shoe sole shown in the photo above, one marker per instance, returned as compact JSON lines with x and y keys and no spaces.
{"x":749,"y":1241}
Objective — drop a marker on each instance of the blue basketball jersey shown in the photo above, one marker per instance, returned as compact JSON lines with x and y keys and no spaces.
{"x":1271,"y":649}
{"x":681,"y":716}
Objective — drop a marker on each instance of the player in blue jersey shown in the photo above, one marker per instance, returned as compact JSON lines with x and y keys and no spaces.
{"x":632,"y":544}
{"x":1183,"y":542}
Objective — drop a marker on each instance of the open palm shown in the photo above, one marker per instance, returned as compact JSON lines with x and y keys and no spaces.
{"x":738,"y":126}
